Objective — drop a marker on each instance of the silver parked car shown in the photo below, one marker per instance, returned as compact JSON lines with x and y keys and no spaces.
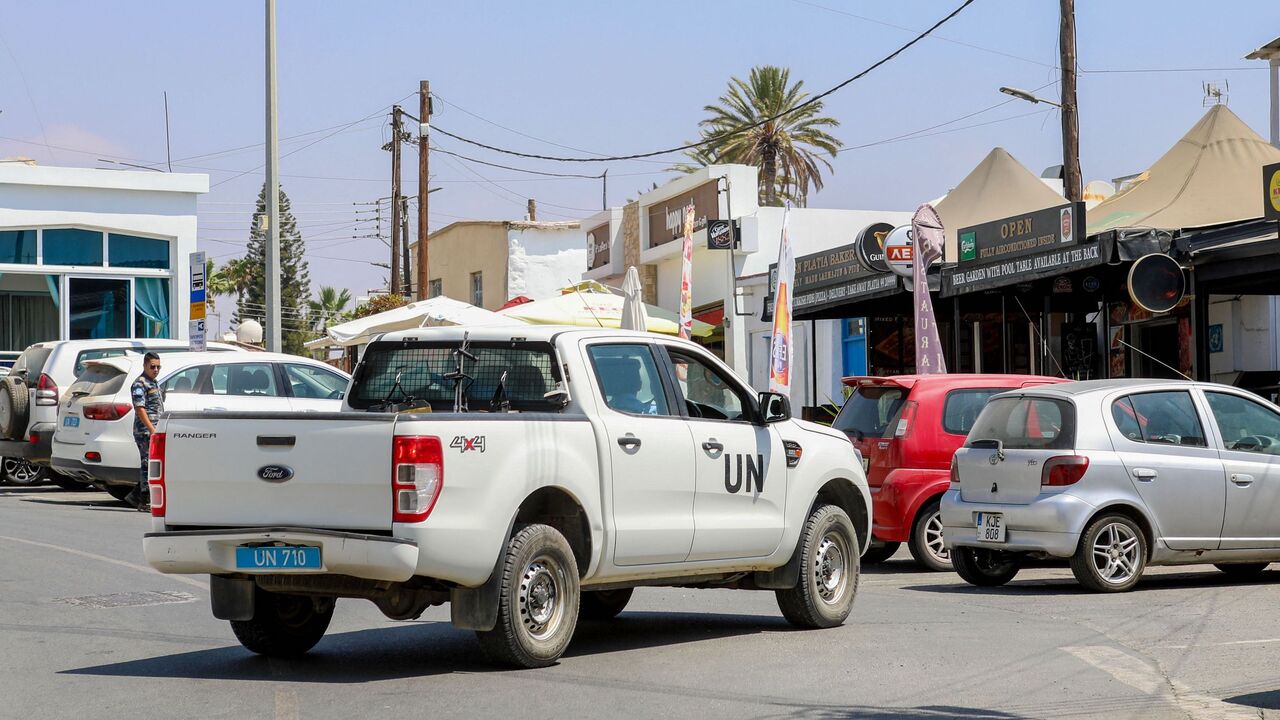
{"x":1116,"y":475}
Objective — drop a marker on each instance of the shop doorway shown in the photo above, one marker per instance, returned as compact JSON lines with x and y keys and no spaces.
{"x":1159,"y":343}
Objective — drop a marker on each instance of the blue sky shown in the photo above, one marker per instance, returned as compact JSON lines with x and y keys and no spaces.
{"x":615,"y":78}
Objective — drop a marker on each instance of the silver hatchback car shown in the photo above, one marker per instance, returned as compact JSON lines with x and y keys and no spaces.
{"x":1116,"y":475}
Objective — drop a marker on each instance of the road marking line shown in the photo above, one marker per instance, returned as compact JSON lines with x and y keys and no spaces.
{"x":1138,"y":673}
{"x":113,"y":561}
{"x":286,"y":705}
{"x":1220,"y":644}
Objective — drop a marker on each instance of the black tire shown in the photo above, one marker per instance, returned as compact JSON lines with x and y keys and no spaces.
{"x":1118,"y":543}
{"x":603,"y":604}
{"x":284,"y":625}
{"x":879,"y":552}
{"x":20,"y":472}
{"x":119,"y":492}
{"x":983,"y":567}
{"x":1241,"y":571}
{"x":13,"y":408}
{"x":926,"y":538}
{"x":829,"y":563}
{"x":538,"y":602}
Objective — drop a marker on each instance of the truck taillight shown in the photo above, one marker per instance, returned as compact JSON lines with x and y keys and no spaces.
{"x":1063,"y":470}
{"x":907,"y":419}
{"x":155,"y":475}
{"x":46,"y":390}
{"x":106,"y":411}
{"x":417,"y":474}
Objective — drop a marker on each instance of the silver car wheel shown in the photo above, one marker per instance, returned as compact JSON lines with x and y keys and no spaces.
{"x":831,"y":569}
{"x":933,"y":538}
{"x":1116,"y":553}
{"x":541,"y":604}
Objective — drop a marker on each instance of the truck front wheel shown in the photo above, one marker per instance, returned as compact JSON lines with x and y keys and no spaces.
{"x":538,"y":604}
{"x":828,"y":571}
{"x":284,"y":625}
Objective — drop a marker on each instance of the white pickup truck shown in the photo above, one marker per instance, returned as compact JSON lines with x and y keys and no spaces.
{"x":526,"y":476}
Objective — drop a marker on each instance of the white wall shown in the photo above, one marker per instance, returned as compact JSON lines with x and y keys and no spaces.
{"x":1250,"y":340}
{"x":542,"y":260}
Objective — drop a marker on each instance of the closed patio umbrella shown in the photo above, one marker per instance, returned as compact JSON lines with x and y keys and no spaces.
{"x":633,"y":314}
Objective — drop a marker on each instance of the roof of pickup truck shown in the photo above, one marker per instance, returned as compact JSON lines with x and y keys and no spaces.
{"x":535,"y":333}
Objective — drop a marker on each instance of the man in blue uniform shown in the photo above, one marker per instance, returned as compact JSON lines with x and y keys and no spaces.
{"x":148,"y":403}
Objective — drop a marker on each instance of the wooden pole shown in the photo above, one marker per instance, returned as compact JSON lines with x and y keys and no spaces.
{"x":424,"y":115}
{"x":1071,"y":183}
{"x":396,"y":122}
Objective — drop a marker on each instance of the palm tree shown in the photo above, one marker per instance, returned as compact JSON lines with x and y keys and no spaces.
{"x":787,"y":149}
{"x":230,"y":279}
{"x":329,"y":306}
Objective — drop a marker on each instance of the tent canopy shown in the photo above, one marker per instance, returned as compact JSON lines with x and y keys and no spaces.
{"x":999,"y":187}
{"x":1209,"y":177}
{"x":596,"y":309}
{"x":432,"y":312}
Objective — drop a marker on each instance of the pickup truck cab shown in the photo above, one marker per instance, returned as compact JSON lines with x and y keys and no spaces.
{"x":525,"y":476}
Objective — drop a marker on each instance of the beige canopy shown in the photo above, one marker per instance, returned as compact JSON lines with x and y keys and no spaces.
{"x":999,"y":187}
{"x":1211,"y":176}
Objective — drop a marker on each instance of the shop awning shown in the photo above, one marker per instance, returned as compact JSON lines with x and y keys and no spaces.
{"x":1211,"y":176}
{"x":595,"y":309}
{"x":435,"y":311}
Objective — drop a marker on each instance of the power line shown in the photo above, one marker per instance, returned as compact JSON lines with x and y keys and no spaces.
{"x":714,"y":138}
{"x":516,"y":169}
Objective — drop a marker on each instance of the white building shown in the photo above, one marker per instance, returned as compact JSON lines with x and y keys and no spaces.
{"x":88,"y":253}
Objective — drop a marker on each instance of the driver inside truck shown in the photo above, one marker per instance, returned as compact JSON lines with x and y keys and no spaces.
{"x":622,"y":382}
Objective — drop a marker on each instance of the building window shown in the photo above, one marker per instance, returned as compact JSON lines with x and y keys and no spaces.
{"x":71,"y":246}
{"x":137,"y":252}
{"x":18,"y":246}
{"x":477,"y":289}
{"x":433,"y":288}
{"x":99,"y":308}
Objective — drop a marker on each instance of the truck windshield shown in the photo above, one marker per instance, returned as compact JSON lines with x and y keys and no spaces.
{"x":870,"y":411}
{"x":423,"y":368}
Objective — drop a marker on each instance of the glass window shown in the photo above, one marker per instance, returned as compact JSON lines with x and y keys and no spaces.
{"x":137,"y":252}
{"x":433,"y":288}
{"x":1245,"y":425}
{"x":86,"y":355}
{"x":870,"y":410}
{"x":1164,"y":417}
{"x":308,"y":381}
{"x":477,"y":289}
{"x":151,"y":307}
{"x":99,"y":308}
{"x":251,"y":379}
{"x":72,"y":246}
{"x":18,"y":246}
{"x":961,"y":408}
{"x":629,"y":379}
{"x":184,"y":381}
{"x":97,"y":380}
{"x":396,"y":372}
{"x":1127,"y":419}
{"x":707,"y":394}
{"x":1026,"y":423}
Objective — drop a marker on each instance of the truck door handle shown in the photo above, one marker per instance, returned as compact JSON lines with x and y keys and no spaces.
{"x":1241,"y":479}
{"x":629,"y":442}
{"x":276,"y":440}
{"x":1145,"y":474}
{"x":713,"y":445}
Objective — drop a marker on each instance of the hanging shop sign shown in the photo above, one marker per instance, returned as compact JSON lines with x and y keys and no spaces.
{"x":870,"y":244}
{"x":666,"y":218}
{"x":721,"y":235}
{"x":831,"y":278}
{"x":1156,"y":283}
{"x":1021,"y":248}
{"x":898,"y":250}
{"x":598,"y":246}
{"x":1271,"y":185}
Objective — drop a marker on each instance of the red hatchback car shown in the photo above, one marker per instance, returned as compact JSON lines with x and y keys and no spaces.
{"x":907,"y":427}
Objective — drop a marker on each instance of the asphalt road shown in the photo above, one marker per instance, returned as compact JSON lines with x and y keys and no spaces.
{"x":88,"y":631}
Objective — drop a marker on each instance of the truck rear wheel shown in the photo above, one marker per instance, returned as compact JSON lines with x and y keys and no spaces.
{"x":828,"y":571}
{"x":284,"y":625}
{"x":604,"y":604}
{"x":538,"y":604}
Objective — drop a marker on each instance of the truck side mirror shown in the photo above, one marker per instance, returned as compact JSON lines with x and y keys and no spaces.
{"x":774,"y":407}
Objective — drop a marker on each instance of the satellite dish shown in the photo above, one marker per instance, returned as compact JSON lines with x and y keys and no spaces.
{"x":1156,"y":283}
{"x":249,"y":331}
{"x":1095,"y":191}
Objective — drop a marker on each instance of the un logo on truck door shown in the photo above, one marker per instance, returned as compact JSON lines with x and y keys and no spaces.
{"x":750,"y":469}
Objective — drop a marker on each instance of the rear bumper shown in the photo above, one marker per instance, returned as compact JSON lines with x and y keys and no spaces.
{"x":1051,"y":524}
{"x":94,"y":472}
{"x":372,"y":557}
{"x":37,"y":452}
{"x":899,"y":497}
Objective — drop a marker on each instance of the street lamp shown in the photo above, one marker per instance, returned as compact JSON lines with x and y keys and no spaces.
{"x":1024,"y":95}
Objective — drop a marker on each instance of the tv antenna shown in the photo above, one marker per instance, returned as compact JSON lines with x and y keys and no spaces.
{"x":1216,"y":92}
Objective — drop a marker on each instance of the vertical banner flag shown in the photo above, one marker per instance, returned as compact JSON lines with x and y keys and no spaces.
{"x":928,"y":238}
{"x":686,"y":277}
{"x":780,"y":347}
{"x":195,"y":325}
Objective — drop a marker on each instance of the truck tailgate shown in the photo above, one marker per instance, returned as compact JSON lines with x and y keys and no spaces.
{"x":321,"y":470}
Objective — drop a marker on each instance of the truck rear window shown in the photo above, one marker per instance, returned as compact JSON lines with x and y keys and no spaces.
{"x":870,"y":411}
{"x":423,"y":370}
{"x":1026,"y":423}
{"x":98,"y":380}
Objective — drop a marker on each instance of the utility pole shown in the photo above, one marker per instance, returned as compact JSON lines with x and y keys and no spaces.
{"x":604,"y":189}
{"x":274,"y":336}
{"x":404,"y":246}
{"x":396,"y":122}
{"x":1071,"y":184}
{"x":531,"y":209}
{"x":424,"y":124}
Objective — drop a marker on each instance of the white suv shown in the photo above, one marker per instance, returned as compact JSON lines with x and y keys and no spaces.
{"x":29,"y":397}
{"x":94,"y":438}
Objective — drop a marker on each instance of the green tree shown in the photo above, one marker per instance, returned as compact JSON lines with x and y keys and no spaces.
{"x":379,"y":303}
{"x":789,"y":150}
{"x":295,"y":280}
{"x":231,"y":279}
{"x":327,"y":309}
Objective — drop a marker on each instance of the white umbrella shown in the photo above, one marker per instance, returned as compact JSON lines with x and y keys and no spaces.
{"x":633,"y":315}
